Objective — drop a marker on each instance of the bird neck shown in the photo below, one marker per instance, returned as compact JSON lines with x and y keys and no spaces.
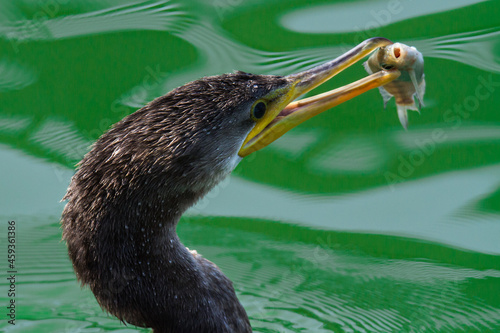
{"x":120,"y":226}
{"x":146,"y":224}
{"x":161,"y":284}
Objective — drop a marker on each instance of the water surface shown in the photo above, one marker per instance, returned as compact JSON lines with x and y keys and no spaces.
{"x":346,"y":224}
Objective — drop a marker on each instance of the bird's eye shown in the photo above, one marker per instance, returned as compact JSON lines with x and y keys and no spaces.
{"x":259,"y":110}
{"x":388,"y":67}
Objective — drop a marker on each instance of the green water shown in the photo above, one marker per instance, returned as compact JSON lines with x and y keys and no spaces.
{"x":346,"y":224}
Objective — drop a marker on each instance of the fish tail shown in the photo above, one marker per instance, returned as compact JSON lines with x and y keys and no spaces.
{"x":403,"y":115}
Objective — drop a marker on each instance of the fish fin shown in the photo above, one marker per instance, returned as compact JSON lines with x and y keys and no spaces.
{"x":367,"y":67}
{"x":417,"y":86}
{"x":412,"y":107}
{"x":421,"y":90}
{"x":385,"y":95}
{"x":403,"y":116}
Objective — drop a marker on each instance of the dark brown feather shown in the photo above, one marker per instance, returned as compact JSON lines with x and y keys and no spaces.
{"x":132,"y":187}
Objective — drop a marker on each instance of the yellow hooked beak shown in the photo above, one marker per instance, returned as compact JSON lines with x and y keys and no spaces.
{"x":283,"y":114}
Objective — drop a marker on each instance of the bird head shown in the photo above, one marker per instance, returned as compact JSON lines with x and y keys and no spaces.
{"x":192,"y":137}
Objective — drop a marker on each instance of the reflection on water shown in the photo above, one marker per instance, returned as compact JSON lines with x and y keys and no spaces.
{"x":310,"y":280}
{"x":476,"y":48}
{"x":423,"y":209}
{"x":351,"y":16}
{"x":218,"y":53}
{"x":353,"y":154}
{"x":452,"y":136}
{"x":13,"y":125}
{"x":313,"y":233}
{"x":14,"y":76}
{"x":61,"y":138}
{"x":352,"y":284}
{"x":135,"y":16}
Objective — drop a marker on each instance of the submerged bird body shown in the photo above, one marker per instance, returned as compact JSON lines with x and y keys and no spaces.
{"x":411,"y":83}
{"x":130,"y":190}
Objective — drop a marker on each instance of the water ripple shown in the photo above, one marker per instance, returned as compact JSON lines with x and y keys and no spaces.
{"x":219,"y":53}
{"x":343,"y":287}
{"x":14,"y":76}
{"x":144,"y":15}
{"x":474,"y":48}
{"x":351,"y":16}
{"x":62,"y":138}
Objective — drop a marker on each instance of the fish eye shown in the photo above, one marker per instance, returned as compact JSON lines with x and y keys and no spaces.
{"x":258,"y":110}
{"x":387,"y":67}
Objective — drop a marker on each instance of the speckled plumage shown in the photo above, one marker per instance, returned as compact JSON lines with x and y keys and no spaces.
{"x":130,"y":190}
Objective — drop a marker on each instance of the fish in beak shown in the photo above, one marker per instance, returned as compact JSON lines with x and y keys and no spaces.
{"x":284,"y":113}
{"x":409,"y":85}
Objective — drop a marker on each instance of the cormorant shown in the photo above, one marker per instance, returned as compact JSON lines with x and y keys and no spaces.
{"x":130,"y":190}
